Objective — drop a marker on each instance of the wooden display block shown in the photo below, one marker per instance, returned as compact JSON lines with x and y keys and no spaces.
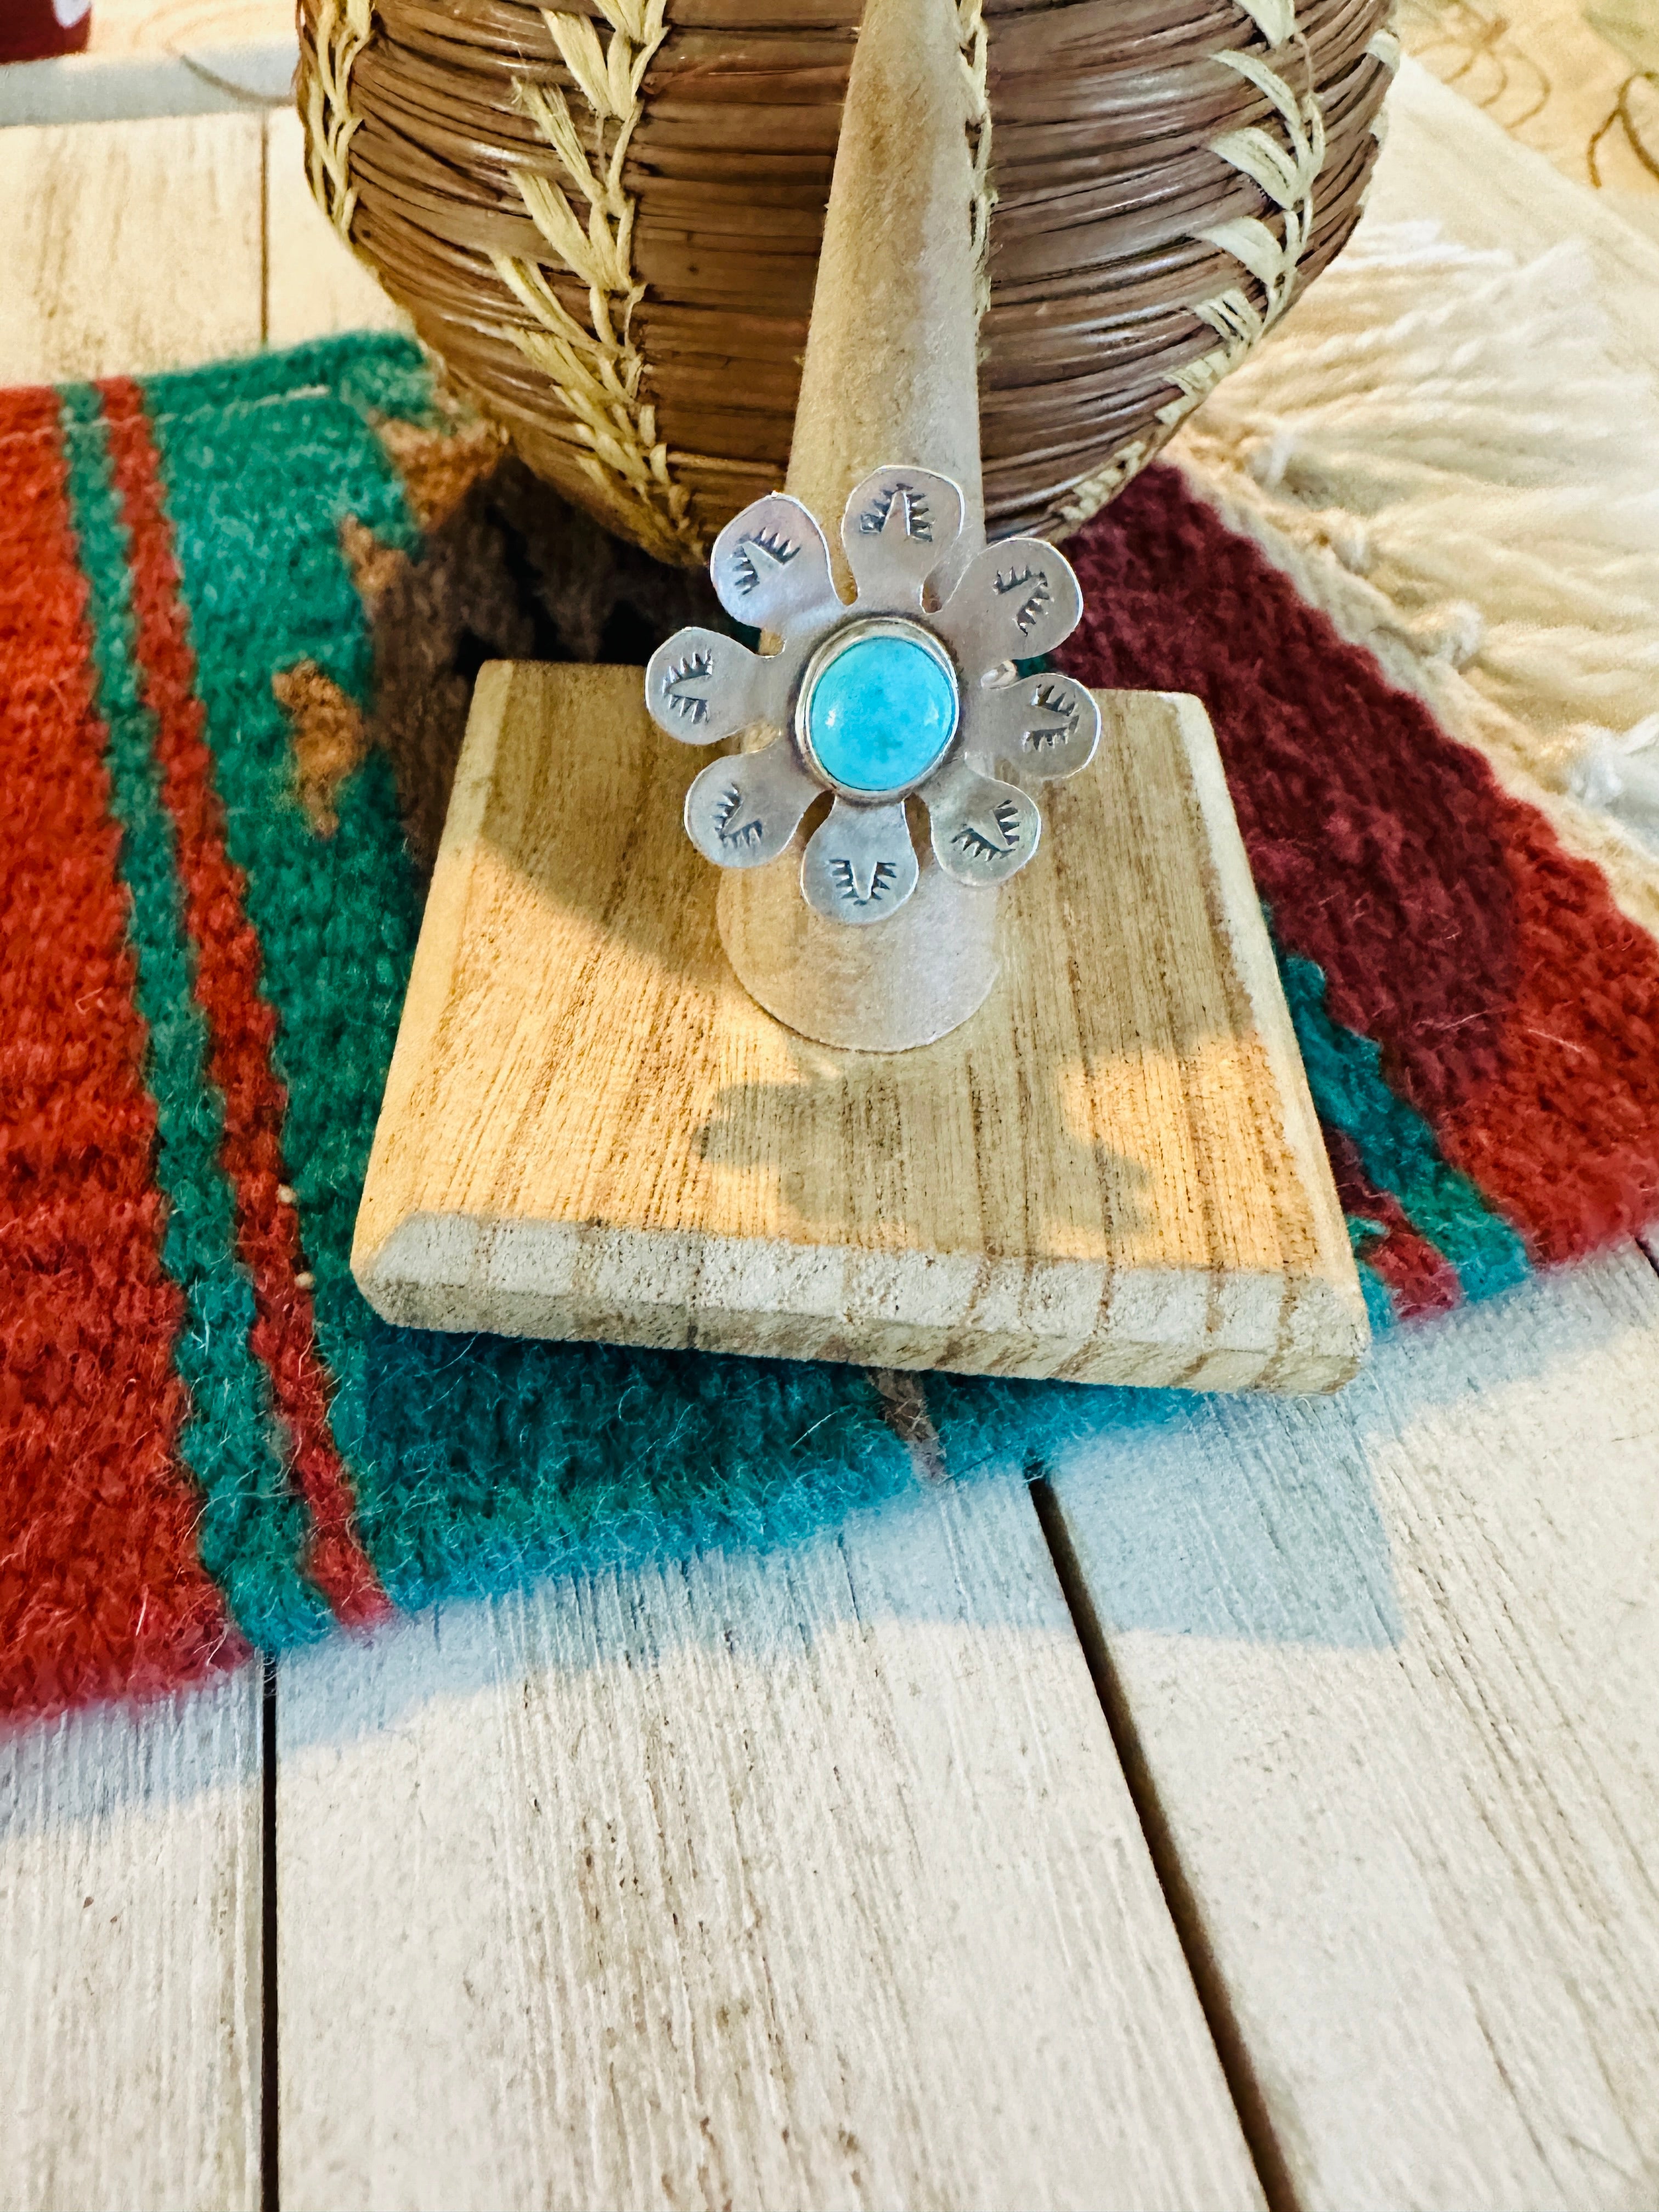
{"x":1112,"y":1173}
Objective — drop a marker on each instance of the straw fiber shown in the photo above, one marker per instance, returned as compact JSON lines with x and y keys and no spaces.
{"x":605,"y":220}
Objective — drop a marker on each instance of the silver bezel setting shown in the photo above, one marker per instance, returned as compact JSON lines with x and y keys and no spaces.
{"x":828,"y":652}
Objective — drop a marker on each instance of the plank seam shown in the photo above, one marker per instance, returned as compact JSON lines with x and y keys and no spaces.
{"x":270,"y":2139}
{"x":1215,"y":1999}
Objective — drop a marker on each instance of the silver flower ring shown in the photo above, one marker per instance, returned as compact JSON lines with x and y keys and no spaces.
{"x":876,"y":701}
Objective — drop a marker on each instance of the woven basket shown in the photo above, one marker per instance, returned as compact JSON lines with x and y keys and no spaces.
{"x":604,"y":219}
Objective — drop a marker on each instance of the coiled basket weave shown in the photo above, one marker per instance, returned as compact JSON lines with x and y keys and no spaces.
{"x":604,"y":219}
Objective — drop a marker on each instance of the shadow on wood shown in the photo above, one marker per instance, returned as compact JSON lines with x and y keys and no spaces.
{"x":1112,"y":1173}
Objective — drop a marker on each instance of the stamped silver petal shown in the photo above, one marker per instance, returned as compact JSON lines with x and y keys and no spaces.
{"x":742,"y":811}
{"x":860,"y":865}
{"x":899,"y":525}
{"x":1045,"y":724}
{"x":1019,"y":597}
{"x":983,"y":831}
{"x":771,"y":567}
{"x":702,"y":686}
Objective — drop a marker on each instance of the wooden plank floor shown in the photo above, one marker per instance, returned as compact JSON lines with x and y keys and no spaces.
{"x":1391,"y":1663}
{"x":130,"y":1903}
{"x":141,"y":26}
{"x":88,"y":220}
{"x":816,"y":1879}
{"x":804,"y":1881}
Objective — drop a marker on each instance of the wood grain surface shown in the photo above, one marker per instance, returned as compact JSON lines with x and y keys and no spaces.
{"x":1112,"y":1172}
{"x":129,"y":1919}
{"x":314,"y":286}
{"x":143,"y":26}
{"x":805,"y":1880}
{"x":90,"y":214}
{"x":1391,"y":1662}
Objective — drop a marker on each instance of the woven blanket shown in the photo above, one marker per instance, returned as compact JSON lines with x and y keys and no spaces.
{"x":240,"y":609}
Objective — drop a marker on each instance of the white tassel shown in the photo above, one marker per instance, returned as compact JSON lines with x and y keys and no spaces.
{"x":1620,"y":776}
{"x":1453,"y":426}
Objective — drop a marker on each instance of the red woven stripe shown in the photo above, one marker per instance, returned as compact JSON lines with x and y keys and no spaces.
{"x":1423,"y":1280}
{"x":101,"y":1590}
{"x":1517,"y":1007}
{"x":240,"y":1023}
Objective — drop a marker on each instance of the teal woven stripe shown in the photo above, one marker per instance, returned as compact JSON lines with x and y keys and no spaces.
{"x":261,"y":462}
{"x":1397,"y":1146}
{"x":1379,"y":1299}
{"x":475,"y":1460}
{"x":371,"y":373}
{"x":492,"y":1459}
{"x":251,"y":1533}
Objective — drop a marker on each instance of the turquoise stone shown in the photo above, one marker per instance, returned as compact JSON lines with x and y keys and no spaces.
{"x":881,"y":714}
